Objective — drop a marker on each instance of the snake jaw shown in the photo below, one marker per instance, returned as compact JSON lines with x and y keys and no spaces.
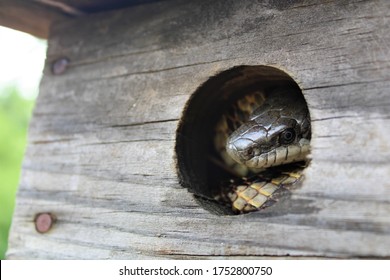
{"x":281,"y":155}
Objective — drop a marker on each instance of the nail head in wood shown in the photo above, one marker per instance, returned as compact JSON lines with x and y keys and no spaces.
{"x":44,"y":222}
{"x":60,"y":65}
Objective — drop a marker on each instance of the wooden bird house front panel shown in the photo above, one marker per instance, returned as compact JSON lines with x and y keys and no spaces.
{"x":101,"y":158}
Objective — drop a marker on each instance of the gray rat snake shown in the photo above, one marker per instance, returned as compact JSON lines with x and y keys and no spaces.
{"x":262,"y":132}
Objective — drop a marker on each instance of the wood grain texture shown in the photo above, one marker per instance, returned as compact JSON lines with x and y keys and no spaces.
{"x":101,"y":142}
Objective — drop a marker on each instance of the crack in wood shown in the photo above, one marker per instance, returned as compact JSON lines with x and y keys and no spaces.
{"x":143,"y":123}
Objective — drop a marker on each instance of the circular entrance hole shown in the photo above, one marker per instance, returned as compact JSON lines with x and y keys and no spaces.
{"x":224,"y":185}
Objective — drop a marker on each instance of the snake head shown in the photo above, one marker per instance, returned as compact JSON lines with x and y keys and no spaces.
{"x":268,"y":141}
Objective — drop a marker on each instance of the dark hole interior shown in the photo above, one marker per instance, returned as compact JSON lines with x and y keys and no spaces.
{"x":195,"y":150}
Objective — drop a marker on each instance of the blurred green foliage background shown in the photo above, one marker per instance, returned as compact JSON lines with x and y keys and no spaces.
{"x":15,"y":112}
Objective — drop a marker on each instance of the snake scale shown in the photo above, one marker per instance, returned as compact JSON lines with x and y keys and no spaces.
{"x":263,"y":140}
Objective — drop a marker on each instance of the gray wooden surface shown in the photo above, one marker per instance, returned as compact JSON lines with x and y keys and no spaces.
{"x":101,"y":142}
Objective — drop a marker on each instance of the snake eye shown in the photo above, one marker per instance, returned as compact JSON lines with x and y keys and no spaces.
{"x":287,"y":136}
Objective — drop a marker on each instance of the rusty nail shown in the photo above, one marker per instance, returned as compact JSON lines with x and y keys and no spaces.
{"x":59,"y":66}
{"x":44,"y":222}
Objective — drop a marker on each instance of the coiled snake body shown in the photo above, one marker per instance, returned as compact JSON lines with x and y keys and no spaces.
{"x":255,"y":139}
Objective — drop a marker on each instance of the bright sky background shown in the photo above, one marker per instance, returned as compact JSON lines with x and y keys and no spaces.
{"x":22,"y":57}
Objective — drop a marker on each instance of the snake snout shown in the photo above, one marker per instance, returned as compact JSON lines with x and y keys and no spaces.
{"x":237,"y":149}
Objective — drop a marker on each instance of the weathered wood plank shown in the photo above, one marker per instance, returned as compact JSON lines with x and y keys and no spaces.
{"x":101,"y":143}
